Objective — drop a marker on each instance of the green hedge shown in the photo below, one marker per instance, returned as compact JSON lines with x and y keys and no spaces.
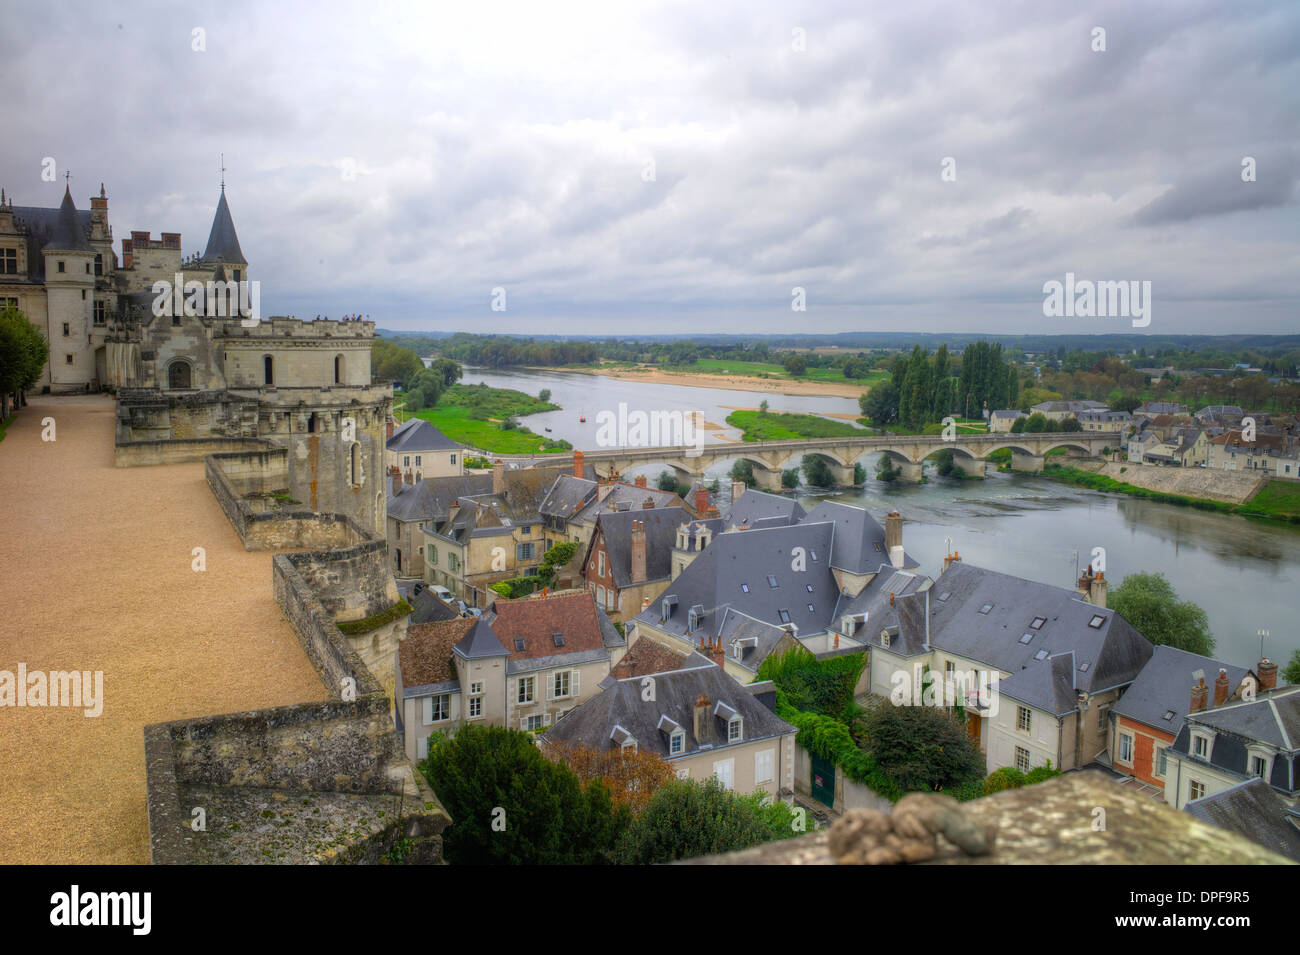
{"x":517,"y":586}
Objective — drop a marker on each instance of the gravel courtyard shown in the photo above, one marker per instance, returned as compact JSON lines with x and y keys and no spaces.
{"x":95,"y":564}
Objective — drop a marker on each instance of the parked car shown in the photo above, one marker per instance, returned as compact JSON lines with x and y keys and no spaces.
{"x":471,"y":612}
{"x":443,"y":593}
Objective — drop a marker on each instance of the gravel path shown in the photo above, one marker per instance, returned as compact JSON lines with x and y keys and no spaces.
{"x":95,"y":569}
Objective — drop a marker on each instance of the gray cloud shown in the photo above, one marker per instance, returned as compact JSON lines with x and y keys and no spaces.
{"x":505,"y":146}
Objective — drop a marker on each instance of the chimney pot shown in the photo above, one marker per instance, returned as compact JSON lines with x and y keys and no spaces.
{"x":1221,"y":688}
{"x":1267,"y":673}
{"x":701,"y":499}
{"x":1200,"y":695}
{"x":640,"y":480}
{"x":577,"y":464}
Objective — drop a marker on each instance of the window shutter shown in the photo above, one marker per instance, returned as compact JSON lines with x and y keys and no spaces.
{"x":428,"y":710}
{"x":523,"y":722}
{"x":550,"y":686}
{"x":575,"y":683}
{"x":422,"y":748}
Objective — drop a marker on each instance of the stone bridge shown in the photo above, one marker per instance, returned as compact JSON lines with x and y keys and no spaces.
{"x":907,"y":452}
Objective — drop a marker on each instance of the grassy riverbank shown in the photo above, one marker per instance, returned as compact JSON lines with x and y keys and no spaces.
{"x":484,"y":418}
{"x":781,"y":426}
{"x":1277,"y":501}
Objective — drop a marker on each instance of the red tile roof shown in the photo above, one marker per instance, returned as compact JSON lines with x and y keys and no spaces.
{"x":536,"y":619}
{"x":425,"y":653}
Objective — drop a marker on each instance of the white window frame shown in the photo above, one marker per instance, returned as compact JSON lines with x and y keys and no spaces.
{"x":528,"y":683}
{"x":439,"y":702}
{"x":677,"y":742}
{"x":1161,"y":755}
{"x":1125,"y":743}
{"x":765,"y":766}
{"x":1018,"y":752}
{"x":736,"y":730}
{"x":1192,"y":786}
{"x":1024,"y":719}
{"x":725,"y":770}
{"x":1200,"y":739}
{"x":475,"y":711}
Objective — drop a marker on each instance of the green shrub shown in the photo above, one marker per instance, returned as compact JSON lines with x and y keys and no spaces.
{"x":1004,"y":778}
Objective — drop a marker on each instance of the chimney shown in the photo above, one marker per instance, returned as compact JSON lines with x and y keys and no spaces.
{"x":701,"y":499}
{"x":893,"y":531}
{"x":716,"y":653}
{"x":1097,"y":589}
{"x":499,"y":477}
{"x":640,"y":478}
{"x":891,"y":598}
{"x":951,"y":559}
{"x":645,"y":604}
{"x":1267,"y":673}
{"x":1221,"y":688}
{"x":391,"y":425}
{"x":737,"y":489}
{"x":648,"y":504}
{"x":703,"y":721}
{"x":1200,"y":695}
{"x":638,"y":552}
{"x":577,"y":464}
{"x":397,"y":480}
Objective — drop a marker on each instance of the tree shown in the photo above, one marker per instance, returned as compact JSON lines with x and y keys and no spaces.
{"x":796,"y":365}
{"x":880,"y":404}
{"x":742,"y":470}
{"x":448,"y":370}
{"x":555,"y":558}
{"x":1036,"y":423}
{"x":687,"y":818}
{"x":922,"y":748}
{"x":763,"y":406}
{"x":817,"y":472}
{"x":392,"y":363}
{"x":510,"y":805}
{"x":632,"y":778}
{"x":544,"y":395}
{"x":790,"y":478}
{"x":1292,"y":671}
{"x":23,"y":354}
{"x":1071,"y":424}
{"x":1149,"y":603}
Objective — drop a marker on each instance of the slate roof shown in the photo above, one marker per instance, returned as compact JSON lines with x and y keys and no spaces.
{"x":661,"y":524}
{"x":420,"y":436}
{"x":432,"y":498}
{"x":40,"y":225}
{"x":1165,"y":686}
{"x":223,"y":243}
{"x":620,"y":704}
{"x":1109,"y":655}
{"x":859,"y":545}
{"x":733,"y":572}
{"x":68,"y":235}
{"x":747,"y":641}
{"x":567,"y":495}
{"x":425,"y":653}
{"x":1253,"y":810}
{"x":428,"y":608}
{"x":1272,"y":718}
{"x":872,"y":610}
{"x":1012,"y":413}
{"x":481,"y":642}
{"x":753,"y":506}
{"x":626,"y":497}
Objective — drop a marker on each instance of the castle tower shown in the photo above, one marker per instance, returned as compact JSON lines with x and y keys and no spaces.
{"x":223,"y":243}
{"x":70,"y":301}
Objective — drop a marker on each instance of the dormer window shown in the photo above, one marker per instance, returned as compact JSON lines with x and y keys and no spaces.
{"x":735,"y":729}
{"x":677,"y":742}
{"x":1201,"y":745}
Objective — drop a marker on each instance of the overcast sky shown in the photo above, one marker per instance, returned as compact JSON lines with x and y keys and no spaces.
{"x":403,"y":161}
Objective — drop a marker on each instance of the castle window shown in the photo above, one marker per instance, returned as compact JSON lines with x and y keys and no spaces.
{"x":338,"y":369}
{"x":354,"y":465}
{"x":66,"y":331}
{"x":99,"y":264}
{"x":99,"y":312}
{"x":268,"y":368}
{"x":178,"y":375}
{"x":67,"y":359}
{"x":8,"y":261}
{"x":62,"y":267}
{"x":311,"y":423}
{"x":237,"y":274}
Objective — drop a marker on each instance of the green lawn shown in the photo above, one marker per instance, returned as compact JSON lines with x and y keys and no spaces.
{"x":462,"y":411}
{"x":1279,"y":500}
{"x":779,"y":427}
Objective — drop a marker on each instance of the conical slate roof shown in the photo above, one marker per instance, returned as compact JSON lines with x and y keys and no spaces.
{"x":223,"y":243}
{"x":68,"y":235}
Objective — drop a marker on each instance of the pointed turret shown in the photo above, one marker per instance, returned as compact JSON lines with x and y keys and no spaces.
{"x":68,"y":235}
{"x":223,"y":243}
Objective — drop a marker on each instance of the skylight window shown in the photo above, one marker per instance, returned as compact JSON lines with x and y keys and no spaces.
{"x":986,"y":608}
{"x":558,"y":638}
{"x":812,"y":554}
{"x":1026,"y":637}
{"x":811,"y":609}
{"x":1096,"y":621}
{"x":945,"y":595}
{"x":1169,"y":715}
{"x":519,"y":645}
{"x":1038,"y":623}
{"x":771,"y":581}
{"x":1041,"y":654}
{"x":744,"y":588}
{"x":1083,"y":667}
{"x":810,"y":590}
{"x":785,"y":615}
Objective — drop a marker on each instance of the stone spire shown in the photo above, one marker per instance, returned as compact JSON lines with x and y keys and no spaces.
{"x":223,"y":243}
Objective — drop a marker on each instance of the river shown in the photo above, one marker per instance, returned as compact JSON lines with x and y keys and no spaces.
{"x":1243,"y":573}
